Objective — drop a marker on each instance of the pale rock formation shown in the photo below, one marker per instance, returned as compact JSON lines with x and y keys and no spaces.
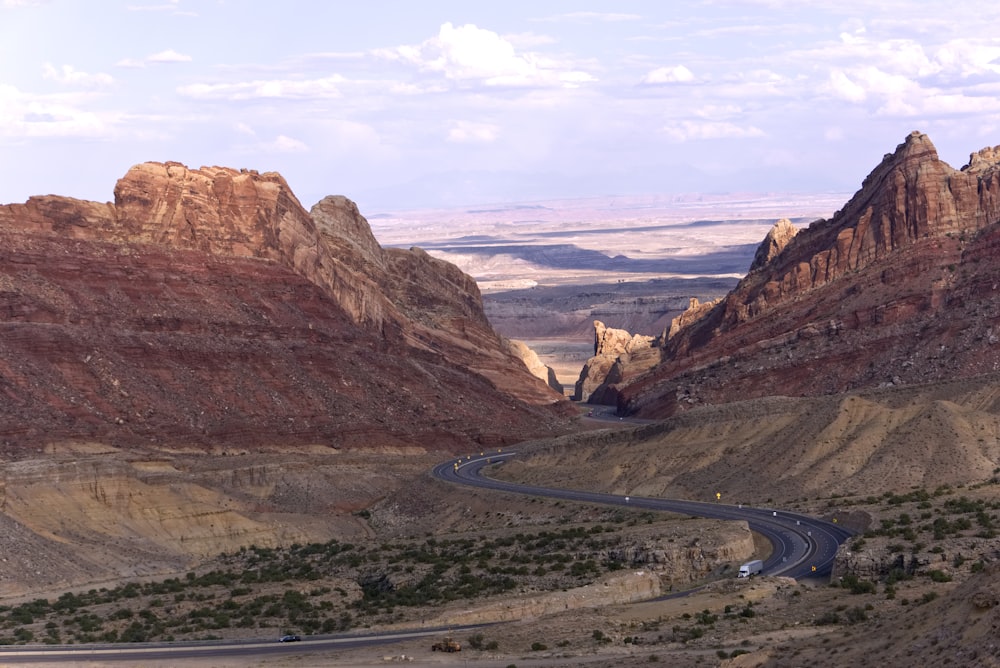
{"x":612,"y":350}
{"x":775,"y":241}
{"x":522,"y":351}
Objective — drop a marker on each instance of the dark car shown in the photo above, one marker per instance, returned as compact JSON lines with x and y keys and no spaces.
{"x":289,"y":638}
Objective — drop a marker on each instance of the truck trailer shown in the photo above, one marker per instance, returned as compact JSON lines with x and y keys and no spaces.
{"x":751,"y":568}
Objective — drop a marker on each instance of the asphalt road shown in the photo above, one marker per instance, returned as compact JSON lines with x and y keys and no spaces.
{"x":804,"y":546}
{"x":182,"y":651}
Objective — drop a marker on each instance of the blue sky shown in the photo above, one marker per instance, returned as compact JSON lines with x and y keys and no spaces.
{"x":434,"y":103}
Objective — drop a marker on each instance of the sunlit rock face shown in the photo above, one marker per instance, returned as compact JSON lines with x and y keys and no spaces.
{"x":207,"y":307}
{"x":897,"y":287}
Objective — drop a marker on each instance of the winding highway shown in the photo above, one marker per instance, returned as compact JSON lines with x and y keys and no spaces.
{"x":804,"y":546}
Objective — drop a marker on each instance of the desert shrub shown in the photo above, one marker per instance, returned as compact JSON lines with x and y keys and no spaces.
{"x":828,"y":617}
{"x":855,"y":615}
{"x":856,"y":585}
{"x":707,"y":618}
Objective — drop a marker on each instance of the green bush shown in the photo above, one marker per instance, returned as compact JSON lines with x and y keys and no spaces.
{"x":826,"y":618}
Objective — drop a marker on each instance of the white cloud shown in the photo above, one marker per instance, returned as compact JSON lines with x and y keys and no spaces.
{"x":25,"y":115}
{"x":841,"y":86}
{"x":70,"y":76}
{"x":131,"y":63}
{"x":168,"y":56}
{"x":667,"y":75}
{"x":296,"y":89}
{"x":284,"y":144}
{"x":160,"y":58}
{"x":969,"y":57}
{"x":900,"y":95}
{"x":469,"y":132}
{"x":468,"y":53}
{"x":683,"y":131}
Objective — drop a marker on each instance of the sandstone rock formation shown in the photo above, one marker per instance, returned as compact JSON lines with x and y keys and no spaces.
{"x":613,"y":350}
{"x":535,"y":365}
{"x":775,"y":241}
{"x":208,"y":307}
{"x":898,"y":287}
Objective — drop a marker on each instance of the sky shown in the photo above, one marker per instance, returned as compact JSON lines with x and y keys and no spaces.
{"x":400,"y":104}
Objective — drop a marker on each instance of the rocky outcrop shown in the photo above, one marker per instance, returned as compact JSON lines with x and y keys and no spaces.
{"x":854,"y":301}
{"x":535,"y":365}
{"x":910,"y":197}
{"x":613,"y":352}
{"x":695,"y":311}
{"x":688,"y":555}
{"x":775,"y":241}
{"x":209,"y":307}
{"x":617,"y":589}
{"x":666,"y":557}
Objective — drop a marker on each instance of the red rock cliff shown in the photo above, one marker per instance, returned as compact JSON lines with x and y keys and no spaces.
{"x":889,"y":290}
{"x":208,"y":306}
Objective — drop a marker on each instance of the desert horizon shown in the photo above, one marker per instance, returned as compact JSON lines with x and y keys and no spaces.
{"x":499,"y":335}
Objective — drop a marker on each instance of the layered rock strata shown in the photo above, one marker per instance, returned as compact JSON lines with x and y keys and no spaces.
{"x":208,"y":307}
{"x":898,"y":287}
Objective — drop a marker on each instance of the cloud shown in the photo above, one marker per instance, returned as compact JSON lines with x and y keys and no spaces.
{"x":165,"y":57}
{"x":469,"y":54}
{"x":900,"y":95}
{"x":70,"y":76}
{"x":284,"y":144}
{"x":668,"y":75}
{"x":168,"y":56}
{"x":841,"y":86}
{"x":294,"y":89}
{"x":683,"y":131}
{"x":26,"y":115}
{"x":466,"y":132}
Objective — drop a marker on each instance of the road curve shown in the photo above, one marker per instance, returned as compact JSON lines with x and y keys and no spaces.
{"x":804,"y":546}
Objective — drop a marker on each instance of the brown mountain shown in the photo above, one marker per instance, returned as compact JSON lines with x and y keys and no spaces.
{"x":898,"y":287}
{"x":209,"y":308}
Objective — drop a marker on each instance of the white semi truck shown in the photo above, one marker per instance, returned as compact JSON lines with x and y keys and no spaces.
{"x":751,"y":568}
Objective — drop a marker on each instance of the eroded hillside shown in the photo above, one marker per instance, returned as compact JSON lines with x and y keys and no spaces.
{"x":208,"y":307}
{"x":779,"y":449}
{"x":896,"y":288}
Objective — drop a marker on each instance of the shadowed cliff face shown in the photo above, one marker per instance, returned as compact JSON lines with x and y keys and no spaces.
{"x":208,"y":307}
{"x":896,"y":288}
